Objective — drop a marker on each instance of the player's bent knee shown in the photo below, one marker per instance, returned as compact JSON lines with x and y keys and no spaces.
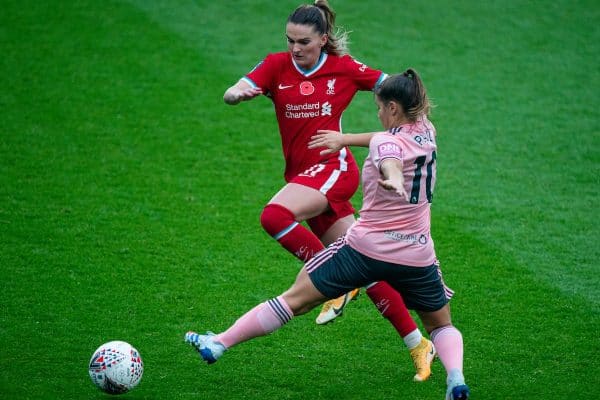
{"x":276,"y":219}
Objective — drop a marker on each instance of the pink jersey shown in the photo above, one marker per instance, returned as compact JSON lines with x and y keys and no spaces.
{"x":390,"y":228}
{"x":306,"y":101}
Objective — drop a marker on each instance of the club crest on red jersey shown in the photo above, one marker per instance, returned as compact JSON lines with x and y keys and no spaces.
{"x":331,"y":86}
{"x":307,"y":88}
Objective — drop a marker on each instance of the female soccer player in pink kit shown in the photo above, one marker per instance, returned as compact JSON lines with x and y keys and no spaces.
{"x":391,"y":241}
{"x":311,"y":85}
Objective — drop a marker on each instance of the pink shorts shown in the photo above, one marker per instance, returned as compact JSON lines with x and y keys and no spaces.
{"x":338,"y":186}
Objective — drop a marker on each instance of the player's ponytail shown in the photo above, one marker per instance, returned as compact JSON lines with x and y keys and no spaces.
{"x":322,"y":17}
{"x":409,"y":91}
{"x":337,"y":39}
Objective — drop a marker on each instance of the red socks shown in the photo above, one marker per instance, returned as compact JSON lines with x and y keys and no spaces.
{"x":279,"y":222}
{"x":390,"y":304}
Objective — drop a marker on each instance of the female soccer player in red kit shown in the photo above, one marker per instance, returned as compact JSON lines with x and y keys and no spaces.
{"x":311,"y":85}
{"x":391,"y":241}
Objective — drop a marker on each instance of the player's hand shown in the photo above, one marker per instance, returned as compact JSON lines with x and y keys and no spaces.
{"x":249,"y":93}
{"x":234,"y":94}
{"x":392,"y":184}
{"x":332,"y":140}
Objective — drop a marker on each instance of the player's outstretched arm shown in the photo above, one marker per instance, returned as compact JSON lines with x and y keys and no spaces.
{"x":241,"y":91}
{"x":391,"y":169}
{"x":335,"y":141}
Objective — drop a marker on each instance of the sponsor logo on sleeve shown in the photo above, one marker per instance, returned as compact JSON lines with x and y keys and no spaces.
{"x":389,"y":149}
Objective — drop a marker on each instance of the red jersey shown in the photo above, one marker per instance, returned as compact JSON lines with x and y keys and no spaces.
{"x":308,"y":100}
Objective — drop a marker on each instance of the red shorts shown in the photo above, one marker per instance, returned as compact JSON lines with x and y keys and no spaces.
{"x":338,"y":186}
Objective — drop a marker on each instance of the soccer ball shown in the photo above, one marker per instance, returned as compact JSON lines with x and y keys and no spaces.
{"x":116,"y":367}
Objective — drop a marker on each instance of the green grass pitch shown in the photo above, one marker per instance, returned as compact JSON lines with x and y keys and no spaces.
{"x":130,"y":196}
